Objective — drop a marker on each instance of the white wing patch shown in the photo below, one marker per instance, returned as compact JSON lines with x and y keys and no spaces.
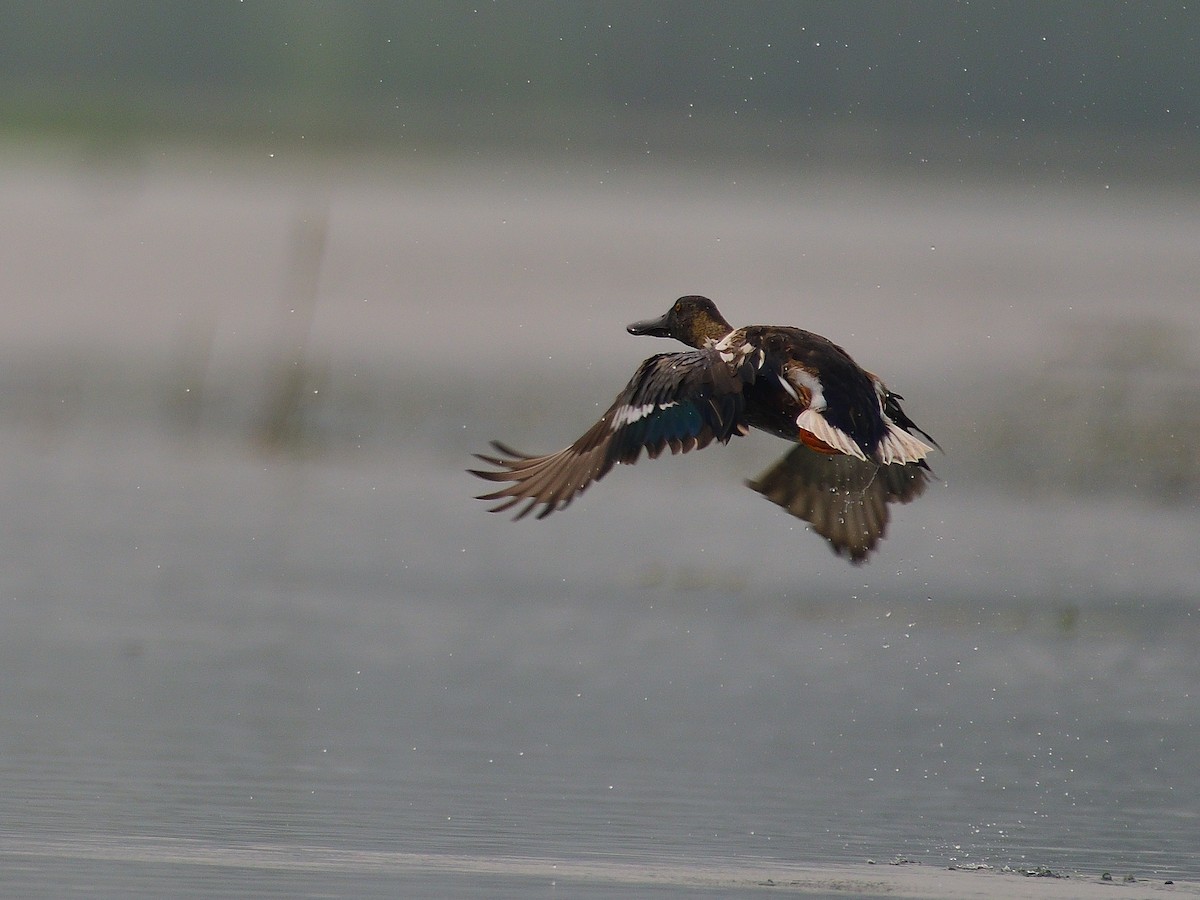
{"x":808,"y":382}
{"x":816,"y":425}
{"x":627,"y":415}
{"x":896,"y":448}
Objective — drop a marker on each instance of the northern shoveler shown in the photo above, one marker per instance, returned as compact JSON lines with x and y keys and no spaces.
{"x":857,"y":450}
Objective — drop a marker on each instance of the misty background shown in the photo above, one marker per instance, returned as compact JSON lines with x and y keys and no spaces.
{"x":271,"y":272}
{"x":1082,"y":116}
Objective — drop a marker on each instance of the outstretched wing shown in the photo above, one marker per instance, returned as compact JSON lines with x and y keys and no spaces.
{"x":683,"y":401}
{"x":843,"y":498}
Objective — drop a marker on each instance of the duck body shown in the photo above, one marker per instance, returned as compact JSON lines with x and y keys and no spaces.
{"x":802,"y":371}
{"x":788,"y":382}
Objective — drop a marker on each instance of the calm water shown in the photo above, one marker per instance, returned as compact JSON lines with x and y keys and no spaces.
{"x":320,"y":668}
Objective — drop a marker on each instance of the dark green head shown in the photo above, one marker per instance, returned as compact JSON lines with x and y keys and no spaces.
{"x":694,"y":320}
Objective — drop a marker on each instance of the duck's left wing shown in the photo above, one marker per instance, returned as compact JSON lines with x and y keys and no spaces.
{"x":682,"y":401}
{"x":843,"y":498}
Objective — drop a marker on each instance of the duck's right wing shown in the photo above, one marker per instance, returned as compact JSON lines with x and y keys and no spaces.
{"x":683,"y":401}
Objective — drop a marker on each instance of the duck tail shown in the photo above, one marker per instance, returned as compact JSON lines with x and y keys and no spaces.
{"x":898,"y":446}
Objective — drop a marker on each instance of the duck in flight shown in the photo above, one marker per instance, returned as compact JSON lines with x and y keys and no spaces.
{"x":856,"y":451}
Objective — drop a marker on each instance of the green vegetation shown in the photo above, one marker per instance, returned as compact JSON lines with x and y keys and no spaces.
{"x":786,"y":79}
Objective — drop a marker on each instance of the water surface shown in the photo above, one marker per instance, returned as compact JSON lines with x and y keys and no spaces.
{"x":313,"y":665}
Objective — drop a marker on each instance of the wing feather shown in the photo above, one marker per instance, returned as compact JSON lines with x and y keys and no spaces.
{"x":677,"y":401}
{"x":845,"y":499}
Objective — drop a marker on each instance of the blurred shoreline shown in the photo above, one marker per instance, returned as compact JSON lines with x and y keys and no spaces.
{"x":1031,"y":333}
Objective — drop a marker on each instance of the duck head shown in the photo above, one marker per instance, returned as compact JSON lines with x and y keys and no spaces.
{"x":693,"y":320}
